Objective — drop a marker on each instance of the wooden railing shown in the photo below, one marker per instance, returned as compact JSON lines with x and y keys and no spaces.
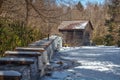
{"x":30,"y":62}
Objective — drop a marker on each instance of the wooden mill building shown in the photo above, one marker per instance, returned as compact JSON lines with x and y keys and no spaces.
{"x":76,"y":33}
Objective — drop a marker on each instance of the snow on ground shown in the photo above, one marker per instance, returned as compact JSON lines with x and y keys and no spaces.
{"x":87,"y":63}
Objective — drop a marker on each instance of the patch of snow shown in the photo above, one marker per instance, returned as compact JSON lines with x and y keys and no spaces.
{"x":97,"y":68}
{"x":60,"y":74}
{"x":70,"y":70}
{"x":93,"y":63}
{"x":97,"y":65}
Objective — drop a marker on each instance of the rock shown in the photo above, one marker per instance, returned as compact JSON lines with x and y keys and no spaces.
{"x":60,"y":62}
{"x":48,"y":74}
{"x":68,"y":78}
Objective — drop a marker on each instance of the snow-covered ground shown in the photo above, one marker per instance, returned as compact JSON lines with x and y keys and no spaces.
{"x":86,"y":63}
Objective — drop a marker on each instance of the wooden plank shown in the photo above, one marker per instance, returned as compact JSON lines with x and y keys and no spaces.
{"x":46,"y":44}
{"x":24,"y":53}
{"x":22,"y":61}
{"x":10,"y":73}
{"x":30,"y":49}
{"x":37,"y":46}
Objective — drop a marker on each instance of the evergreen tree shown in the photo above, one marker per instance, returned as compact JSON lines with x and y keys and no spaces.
{"x":113,"y":37}
{"x":79,"y":6}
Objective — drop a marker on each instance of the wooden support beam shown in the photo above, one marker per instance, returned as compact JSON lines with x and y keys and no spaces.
{"x":21,"y":61}
{"x":30,"y":49}
{"x":22,"y":53}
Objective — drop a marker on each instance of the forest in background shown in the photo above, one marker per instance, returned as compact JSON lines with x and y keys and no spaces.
{"x":25,"y":21}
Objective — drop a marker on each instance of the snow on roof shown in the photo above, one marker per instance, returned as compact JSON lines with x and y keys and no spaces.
{"x":73,"y":25}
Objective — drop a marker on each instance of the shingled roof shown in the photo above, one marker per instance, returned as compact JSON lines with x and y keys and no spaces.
{"x":72,"y":25}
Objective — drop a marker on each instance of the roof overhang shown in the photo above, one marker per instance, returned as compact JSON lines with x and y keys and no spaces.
{"x":74,"y":25}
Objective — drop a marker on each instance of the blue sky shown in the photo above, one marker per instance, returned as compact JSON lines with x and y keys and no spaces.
{"x":84,"y":2}
{"x":92,"y":1}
